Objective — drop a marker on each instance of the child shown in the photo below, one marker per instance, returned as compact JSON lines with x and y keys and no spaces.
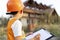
{"x":14,"y":26}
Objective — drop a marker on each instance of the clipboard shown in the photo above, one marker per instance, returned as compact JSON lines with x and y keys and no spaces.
{"x":44,"y":35}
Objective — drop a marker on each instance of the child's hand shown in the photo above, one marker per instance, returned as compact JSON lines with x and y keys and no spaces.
{"x":37,"y":37}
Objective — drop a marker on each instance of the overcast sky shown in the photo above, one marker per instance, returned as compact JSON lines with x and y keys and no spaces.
{"x":55,"y":4}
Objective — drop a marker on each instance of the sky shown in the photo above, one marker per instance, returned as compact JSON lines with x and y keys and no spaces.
{"x":55,"y":4}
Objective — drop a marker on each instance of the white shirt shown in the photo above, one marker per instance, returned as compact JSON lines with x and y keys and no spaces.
{"x":17,"y":28}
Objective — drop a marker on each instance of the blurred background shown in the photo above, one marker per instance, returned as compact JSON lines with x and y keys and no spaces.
{"x":36,"y":16}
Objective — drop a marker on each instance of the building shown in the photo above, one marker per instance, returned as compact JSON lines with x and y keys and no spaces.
{"x":36,"y":14}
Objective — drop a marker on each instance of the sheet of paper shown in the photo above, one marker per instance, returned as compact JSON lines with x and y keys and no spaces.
{"x":44,"y":34}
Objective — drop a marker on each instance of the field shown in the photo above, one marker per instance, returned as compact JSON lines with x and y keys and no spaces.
{"x":52,"y":28}
{"x":3,"y":33}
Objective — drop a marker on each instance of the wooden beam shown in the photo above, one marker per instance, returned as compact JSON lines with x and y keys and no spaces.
{"x":32,"y":11}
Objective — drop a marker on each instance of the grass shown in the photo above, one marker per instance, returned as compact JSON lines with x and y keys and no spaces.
{"x":2,"y":33}
{"x":52,"y":28}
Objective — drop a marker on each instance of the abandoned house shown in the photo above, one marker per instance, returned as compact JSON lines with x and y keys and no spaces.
{"x":36,"y":14}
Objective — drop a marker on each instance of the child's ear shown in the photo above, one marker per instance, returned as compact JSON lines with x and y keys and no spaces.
{"x":21,"y":11}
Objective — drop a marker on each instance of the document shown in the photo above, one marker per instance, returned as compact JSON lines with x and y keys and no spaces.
{"x":44,"y":34}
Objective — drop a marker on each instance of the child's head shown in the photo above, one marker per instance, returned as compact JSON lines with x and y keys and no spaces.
{"x":15,"y":8}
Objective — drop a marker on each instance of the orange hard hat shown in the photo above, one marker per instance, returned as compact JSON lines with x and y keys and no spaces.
{"x":14,"y":5}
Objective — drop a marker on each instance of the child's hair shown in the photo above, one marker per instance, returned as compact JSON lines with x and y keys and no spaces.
{"x":12,"y":13}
